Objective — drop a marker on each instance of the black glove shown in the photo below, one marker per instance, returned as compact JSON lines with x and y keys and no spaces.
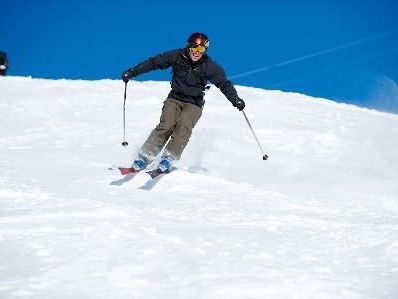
{"x":128,"y":74}
{"x":239,"y":104}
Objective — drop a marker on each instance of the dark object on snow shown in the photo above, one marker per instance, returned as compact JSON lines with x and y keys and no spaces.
{"x":3,"y":63}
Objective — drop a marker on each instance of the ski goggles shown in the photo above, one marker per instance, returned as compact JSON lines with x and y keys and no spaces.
{"x":198,"y":49}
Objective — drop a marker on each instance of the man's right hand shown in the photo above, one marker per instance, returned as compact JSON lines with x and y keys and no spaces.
{"x":128,"y":74}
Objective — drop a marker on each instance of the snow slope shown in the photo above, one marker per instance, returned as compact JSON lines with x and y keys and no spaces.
{"x":319,"y":219}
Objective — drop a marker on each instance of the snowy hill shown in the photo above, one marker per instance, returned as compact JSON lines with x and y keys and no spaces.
{"x":319,"y":219}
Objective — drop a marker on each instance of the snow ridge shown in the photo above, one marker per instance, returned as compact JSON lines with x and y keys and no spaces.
{"x":317,"y":220}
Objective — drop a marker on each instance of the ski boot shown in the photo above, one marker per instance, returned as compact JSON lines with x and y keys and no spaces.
{"x":165,"y":165}
{"x":139,"y":164}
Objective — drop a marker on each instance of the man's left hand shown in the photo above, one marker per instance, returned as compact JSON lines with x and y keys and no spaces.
{"x":239,"y":104}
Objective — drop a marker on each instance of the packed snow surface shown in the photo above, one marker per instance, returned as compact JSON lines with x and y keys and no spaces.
{"x":319,"y":219}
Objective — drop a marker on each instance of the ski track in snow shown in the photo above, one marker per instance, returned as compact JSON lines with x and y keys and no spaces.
{"x":317,"y":220}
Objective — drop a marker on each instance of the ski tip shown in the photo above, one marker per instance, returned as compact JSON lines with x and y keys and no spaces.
{"x":126,"y":170}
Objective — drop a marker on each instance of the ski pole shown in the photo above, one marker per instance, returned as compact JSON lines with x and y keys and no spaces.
{"x":124,"y":143}
{"x":265,"y":157}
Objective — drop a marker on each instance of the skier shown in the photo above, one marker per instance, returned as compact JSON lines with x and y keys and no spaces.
{"x":3,"y":63}
{"x":191,"y":69}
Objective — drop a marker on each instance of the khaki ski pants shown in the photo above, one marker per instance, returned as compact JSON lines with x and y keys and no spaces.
{"x":175,"y":128}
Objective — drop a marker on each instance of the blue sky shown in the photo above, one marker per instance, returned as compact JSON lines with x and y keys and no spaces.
{"x":99,"y":39}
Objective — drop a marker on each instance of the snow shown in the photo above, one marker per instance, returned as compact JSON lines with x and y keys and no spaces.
{"x":319,"y":219}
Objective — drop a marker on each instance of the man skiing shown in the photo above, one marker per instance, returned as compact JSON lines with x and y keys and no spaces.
{"x":191,"y":69}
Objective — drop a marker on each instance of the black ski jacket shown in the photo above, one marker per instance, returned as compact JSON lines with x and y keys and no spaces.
{"x":189,"y":78}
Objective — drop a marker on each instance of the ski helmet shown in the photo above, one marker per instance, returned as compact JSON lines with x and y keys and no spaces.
{"x":198,"y":39}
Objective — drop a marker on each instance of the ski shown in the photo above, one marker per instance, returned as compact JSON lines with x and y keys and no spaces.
{"x":127,"y":170}
{"x":156,"y":173}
